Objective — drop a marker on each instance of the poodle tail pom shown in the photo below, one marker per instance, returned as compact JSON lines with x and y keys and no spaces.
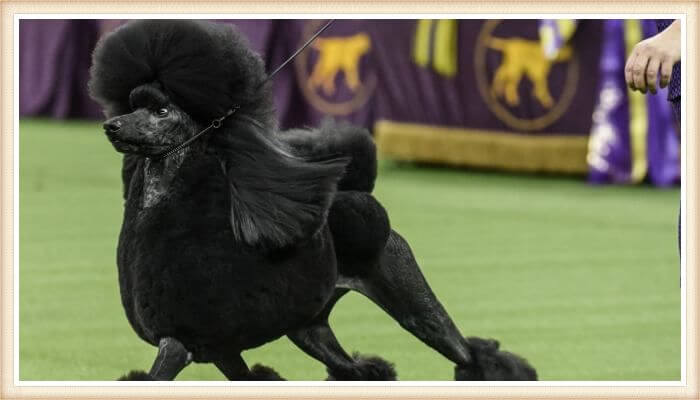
{"x":136,"y":376}
{"x":339,"y":140}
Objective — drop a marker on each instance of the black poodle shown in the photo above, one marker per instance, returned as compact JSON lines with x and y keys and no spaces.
{"x":247,"y":233}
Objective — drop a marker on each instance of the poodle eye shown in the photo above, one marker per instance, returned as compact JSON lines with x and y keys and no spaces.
{"x":162,"y":112}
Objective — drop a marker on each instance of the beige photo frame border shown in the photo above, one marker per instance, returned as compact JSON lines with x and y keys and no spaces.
{"x":585,"y":390}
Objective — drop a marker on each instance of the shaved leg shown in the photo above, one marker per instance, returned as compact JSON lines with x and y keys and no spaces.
{"x":235,"y":369}
{"x":399,"y":288}
{"x":171,"y":359}
{"x":318,"y":340}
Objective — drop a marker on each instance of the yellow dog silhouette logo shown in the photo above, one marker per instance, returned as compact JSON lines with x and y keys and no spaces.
{"x":338,"y":55}
{"x":523,"y":58}
{"x":523,"y":74}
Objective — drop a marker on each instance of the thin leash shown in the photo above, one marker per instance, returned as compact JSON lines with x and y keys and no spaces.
{"x":296,"y":53}
{"x":216,"y":123}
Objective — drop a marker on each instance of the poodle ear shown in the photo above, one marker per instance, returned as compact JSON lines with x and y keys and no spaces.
{"x":277,"y":199}
{"x":129,"y":166}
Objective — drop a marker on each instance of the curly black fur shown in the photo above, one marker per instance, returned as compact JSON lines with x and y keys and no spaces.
{"x":136,"y":376}
{"x":365,"y":368}
{"x":492,"y":364}
{"x":360,"y":228}
{"x":205,"y":68}
{"x":342,"y":140}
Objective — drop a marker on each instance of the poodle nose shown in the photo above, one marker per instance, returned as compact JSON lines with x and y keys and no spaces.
{"x":112,"y":126}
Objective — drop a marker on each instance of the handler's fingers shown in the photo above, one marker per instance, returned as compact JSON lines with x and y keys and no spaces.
{"x":628,"y":70}
{"x":666,"y":71}
{"x":639,"y":71}
{"x":652,"y":73}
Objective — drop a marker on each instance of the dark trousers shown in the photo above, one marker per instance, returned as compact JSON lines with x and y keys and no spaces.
{"x":676,"y":106}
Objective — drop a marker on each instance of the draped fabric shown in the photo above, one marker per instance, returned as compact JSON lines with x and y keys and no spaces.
{"x":633,"y":136}
{"x":54,"y":57}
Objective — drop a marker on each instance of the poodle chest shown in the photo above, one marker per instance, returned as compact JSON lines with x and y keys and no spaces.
{"x":189,"y":281}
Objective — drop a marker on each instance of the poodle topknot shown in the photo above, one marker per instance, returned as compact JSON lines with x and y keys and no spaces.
{"x":204,"y":68}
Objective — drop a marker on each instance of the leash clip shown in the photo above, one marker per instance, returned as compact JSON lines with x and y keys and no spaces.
{"x":216,"y":124}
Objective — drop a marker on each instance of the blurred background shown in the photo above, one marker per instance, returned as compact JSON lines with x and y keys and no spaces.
{"x":539,"y":194}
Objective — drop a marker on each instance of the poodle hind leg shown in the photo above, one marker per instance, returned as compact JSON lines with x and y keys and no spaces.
{"x":318,"y":340}
{"x":397,"y":285}
{"x":171,"y":359}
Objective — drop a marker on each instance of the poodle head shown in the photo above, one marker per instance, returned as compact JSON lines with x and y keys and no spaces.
{"x":154,"y":125}
{"x":205,"y":68}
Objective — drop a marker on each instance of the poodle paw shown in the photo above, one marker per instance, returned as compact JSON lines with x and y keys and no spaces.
{"x":489,"y":363}
{"x":469,"y":372}
{"x":365,"y":368}
{"x":136,"y":376}
{"x":262,"y":373}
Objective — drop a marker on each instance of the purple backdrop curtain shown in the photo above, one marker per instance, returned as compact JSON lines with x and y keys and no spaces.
{"x":53,"y":61}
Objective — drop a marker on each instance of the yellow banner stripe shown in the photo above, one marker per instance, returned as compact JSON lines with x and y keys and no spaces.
{"x":445,"y":47}
{"x":481,"y":148}
{"x":421,"y":42}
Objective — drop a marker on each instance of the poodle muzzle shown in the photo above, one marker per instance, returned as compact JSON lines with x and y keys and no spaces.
{"x":127,"y":136}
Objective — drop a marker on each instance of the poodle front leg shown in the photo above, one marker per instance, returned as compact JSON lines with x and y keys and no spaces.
{"x":171,"y":359}
{"x":318,"y":340}
{"x":235,"y":369}
{"x":397,"y":285}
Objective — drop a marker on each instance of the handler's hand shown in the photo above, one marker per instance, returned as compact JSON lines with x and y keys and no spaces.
{"x":648,"y":56}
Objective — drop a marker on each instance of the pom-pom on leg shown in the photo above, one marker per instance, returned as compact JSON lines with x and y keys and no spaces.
{"x":262,"y":373}
{"x":491,"y":364}
{"x":136,"y":376}
{"x":365,"y":368}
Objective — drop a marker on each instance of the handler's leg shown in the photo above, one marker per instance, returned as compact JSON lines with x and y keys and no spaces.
{"x":397,"y":285}
{"x":318,"y":341}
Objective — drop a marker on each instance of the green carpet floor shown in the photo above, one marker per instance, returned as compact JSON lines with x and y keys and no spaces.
{"x":579,"y":279}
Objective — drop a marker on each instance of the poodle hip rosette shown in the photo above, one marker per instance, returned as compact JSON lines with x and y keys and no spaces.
{"x":249,"y":233}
